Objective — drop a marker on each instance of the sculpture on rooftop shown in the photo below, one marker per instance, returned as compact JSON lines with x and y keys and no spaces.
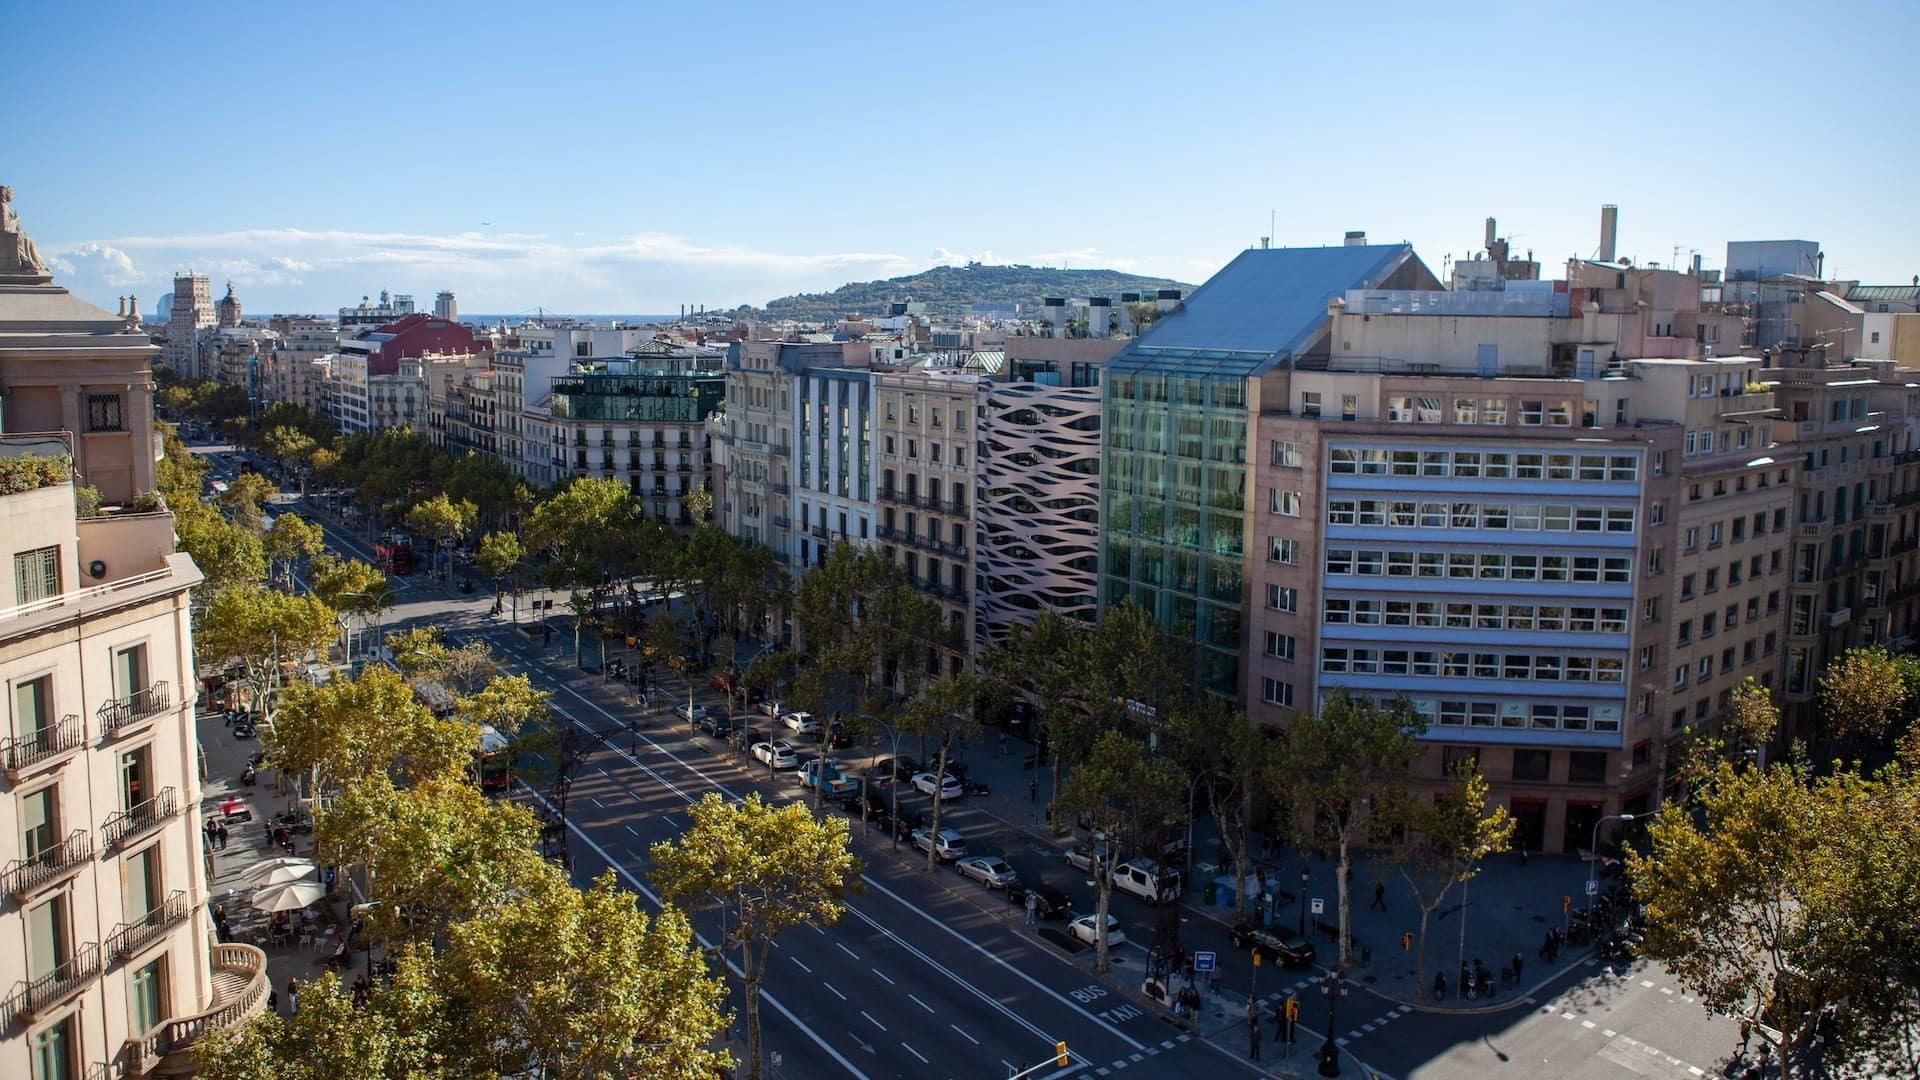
{"x":17,"y":252}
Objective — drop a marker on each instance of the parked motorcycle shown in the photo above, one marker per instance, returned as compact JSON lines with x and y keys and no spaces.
{"x":247,"y":775}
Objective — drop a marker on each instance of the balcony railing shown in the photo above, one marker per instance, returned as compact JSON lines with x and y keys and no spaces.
{"x":30,"y":999}
{"x":46,"y":745}
{"x":1839,"y":618}
{"x":122,"y":714}
{"x":138,"y":820}
{"x":128,"y":939}
{"x":24,"y":877}
{"x":177,"y":1038}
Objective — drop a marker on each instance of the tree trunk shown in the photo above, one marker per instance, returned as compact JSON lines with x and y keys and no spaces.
{"x":1345,"y":865}
{"x":1420,"y":963}
{"x":1236,"y":838}
{"x":754,"y":968}
{"x":1104,"y":885}
{"x":939,"y":776}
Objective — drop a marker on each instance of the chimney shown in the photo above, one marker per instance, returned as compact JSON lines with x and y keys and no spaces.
{"x":1696,"y":264}
{"x":1167,"y":299}
{"x":1491,"y":234}
{"x":1356,"y":238}
{"x":1098,"y":309}
{"x":1609,"y":231}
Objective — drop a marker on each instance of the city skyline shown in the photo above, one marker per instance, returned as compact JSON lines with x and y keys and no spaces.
{"x":613,"y":162}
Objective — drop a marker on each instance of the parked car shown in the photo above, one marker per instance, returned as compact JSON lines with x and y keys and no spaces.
{"x":1291,"y":950}
{"x":713,"y":724}
{"x":720,"y":684}
{"x":831,"y":780}
{"x":949,"y":843}
{"x":990,"y":870}
{"x":1081,"y":857}
{"x":690,"y":713}
{"x":895,"y":768}
{"x":1147,"y":880}
{"x":772,"y":708}
{"x":777,"y":754}
{"x":801,"y":723}
{"x":925,"y":783}
{"x":838,"y":737}
{"x":1086,"y":929}
{"x":1052,"y":902}
{"x":864,"y":805}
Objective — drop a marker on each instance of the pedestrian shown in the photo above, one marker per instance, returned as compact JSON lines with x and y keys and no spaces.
{"x":1518,"y":961}
{"x":1033,"y":908}
{"x":1280,"y":1021}
{"x":273,"y":1000}
{"x":1253,"y":1037}
{"x":1003,"y":744}
{"x":222,"y":833}
{"x":1033,"y":790}
{"x":293,"y":997}
{"x":1379,"y":896}
{"x":1746,"y":1034}
{"x":213,"y":837}
{"x":1261,"y":895}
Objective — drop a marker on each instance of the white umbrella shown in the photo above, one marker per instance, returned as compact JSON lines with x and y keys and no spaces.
{"x":266,"y":871}
{"x":288,"y":897}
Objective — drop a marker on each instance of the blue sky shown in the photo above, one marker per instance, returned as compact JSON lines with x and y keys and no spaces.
{"x":630,"y":158}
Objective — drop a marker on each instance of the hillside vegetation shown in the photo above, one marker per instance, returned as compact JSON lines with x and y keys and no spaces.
{"x":949,"y":290}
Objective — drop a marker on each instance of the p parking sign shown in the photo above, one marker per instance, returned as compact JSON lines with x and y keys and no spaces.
{"x":1203,"y":961}
{"x":1318,"y":906}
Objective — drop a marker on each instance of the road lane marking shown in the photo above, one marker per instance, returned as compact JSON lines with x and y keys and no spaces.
{"x":989,"y":999}
{"x":964,"y":1035}
{"x":633,"y":830}
{"x":920,"y":1003}
{"x":871,"y":1020}
{"x":836,"y":992}
{"x":912,"y":1051}
{"x":766,"y":996}
{"x":802,"y":963}
{"x":848,"y":951}
{"x":883,"y":976}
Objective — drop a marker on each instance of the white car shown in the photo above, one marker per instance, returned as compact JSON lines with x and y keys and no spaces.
{"x":1147,"y":880}
{"x":777,"y":754}
{"x":925,"y":784}
{"x":990,"y":870}
{"x":772,"y":708}
{"x":949,"y":843}
{"x":1083,"y":928}
{"x":801,"y":723}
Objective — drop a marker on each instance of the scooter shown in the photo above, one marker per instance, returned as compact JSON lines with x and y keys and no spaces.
{"x":247,"y":775}
{"x":243,"y":728}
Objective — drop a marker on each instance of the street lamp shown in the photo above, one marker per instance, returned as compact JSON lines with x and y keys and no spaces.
{"x":1592,"y":887}
{"x":1335,"y":988}
{"x":1303,"y":902}
{"x":893,"y":783}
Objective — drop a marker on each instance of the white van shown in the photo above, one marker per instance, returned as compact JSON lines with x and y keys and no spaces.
{"x":1147,"y":880}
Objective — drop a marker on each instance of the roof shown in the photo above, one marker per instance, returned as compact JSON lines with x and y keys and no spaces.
{"x":1265,"y":305}
{"x":1884,"y":293}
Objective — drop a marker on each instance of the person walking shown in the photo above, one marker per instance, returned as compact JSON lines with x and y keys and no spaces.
{"x":1379,"y":896}
{"x":293,"y":997}
{"x":1033,"y":790}
{"x":221,"y":833}
{"x":1518,"y":962}
{"x":1033,"y":908}
{"x":1253,"y":1035}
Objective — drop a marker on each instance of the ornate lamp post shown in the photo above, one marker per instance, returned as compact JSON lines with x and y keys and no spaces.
{"x":1335,"y":988}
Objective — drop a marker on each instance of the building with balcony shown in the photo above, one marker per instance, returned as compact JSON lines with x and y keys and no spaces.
{"x":760,"y":502}
{"x":641,"y":419}
{"x":295,"y":371}
{"x":109,"y":965}
{"x":925,"y":420}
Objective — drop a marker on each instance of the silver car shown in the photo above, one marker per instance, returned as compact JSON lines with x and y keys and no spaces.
{"x":990,"y":870}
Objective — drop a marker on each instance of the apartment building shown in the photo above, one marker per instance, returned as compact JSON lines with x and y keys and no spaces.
{"x":1037,"y":514}
{"x":109,"y":966}
{"x":296,"y":370}
{"x":925,"y":423}
{"x":763,"y":418}
{"x":642,"y":419}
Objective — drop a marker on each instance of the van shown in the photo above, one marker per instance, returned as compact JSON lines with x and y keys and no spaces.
{"x":1147,"y":880}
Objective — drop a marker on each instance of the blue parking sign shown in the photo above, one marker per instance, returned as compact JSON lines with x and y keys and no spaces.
{"x":1203,"y":961}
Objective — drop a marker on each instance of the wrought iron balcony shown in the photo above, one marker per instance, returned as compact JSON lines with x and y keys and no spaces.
{"x":33,"y":997}
{"x":124,"y":714}
{"x":139,"y":819}
{"x":23,"y":878}
{"x":52,"y":743}
{"x":128,"y":939}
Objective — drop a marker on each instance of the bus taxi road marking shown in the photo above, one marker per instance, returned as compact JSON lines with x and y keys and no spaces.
{"x":978,"y":993}
{"x":641,"y":888}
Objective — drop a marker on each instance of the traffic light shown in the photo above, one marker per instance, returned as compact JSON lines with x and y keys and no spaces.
{"x":1293,"y":1007}
{"x":1566,"y":901}
{"x":1060,"y":1053}
{"x":1406,"y":941}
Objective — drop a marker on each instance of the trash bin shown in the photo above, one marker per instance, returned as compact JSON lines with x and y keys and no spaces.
{"x":1210,"y":894}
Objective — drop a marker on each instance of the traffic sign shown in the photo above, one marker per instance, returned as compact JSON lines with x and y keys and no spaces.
{"x":1317,"y":906}
{"x":1593,"y":888}
{"x":1203,"y":960}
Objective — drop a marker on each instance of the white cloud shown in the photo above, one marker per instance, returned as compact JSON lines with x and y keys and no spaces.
{"x":104,"y":262}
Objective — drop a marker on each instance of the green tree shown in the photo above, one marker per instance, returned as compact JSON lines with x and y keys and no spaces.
{"x":1352,"y":754}
{"x":770,"y":869}
{"x":586,"y":530}
{"x":445,"y":522}
{"x":1789,"y":902}
{"x":400,"y":1033}
{"x":228,"y":555}
{"x":1446,"y":841}
{"x":699,"y":504}
{"x":1863,"y":691}
{"x":289,"y":539}
{"x":259,"y":628}
{"x":349,"y":585}
{"x":1750,"y":719}
{"x":500,"y":556}
{"x":1115,"y":792}
{"x":246,"y":498}
{"x":1236,"y":764}
{"x":347,"y":730}
{"x":940,"y":714}
{"x":1039,"y":662}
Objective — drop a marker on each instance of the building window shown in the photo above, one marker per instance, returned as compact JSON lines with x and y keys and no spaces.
{"x":1275,"y":692}
{"x":1286,"y":454}
{"x":1532,"y":765}
{"x":103,"y":413}
{"x":53,"y":1054}
{"x":1283,"y":550}
{"x":1286,"y":502}
{"x":1458,"y":757}
{"x":1586,"y":767}
{"x":36,"y":574}
{"x":1309,"y":403}
{"x":1283,"y":598}
{"x":1280,"y":646}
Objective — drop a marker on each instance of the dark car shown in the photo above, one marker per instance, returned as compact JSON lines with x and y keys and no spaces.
{"x":895,"y":768}
{"x":714,"y":724}
{"x":864,"y":805}
{"x":1289,"y":949}
{"x":1053,"y":904}
{"x":838,"y":737}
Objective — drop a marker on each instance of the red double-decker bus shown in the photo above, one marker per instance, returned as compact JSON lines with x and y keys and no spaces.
{"x":394,"y":556}
{"x":492,"y":760}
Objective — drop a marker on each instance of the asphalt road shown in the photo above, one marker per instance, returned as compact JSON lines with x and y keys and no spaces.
{"x":932,"y":975}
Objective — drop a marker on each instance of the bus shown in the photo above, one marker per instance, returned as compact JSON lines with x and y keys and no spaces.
{"x":394,"y":555}
{"x":438,"y":699}
{"x":492,"y":760}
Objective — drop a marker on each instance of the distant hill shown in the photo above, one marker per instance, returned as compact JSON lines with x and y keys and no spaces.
{"x":950,"y":290}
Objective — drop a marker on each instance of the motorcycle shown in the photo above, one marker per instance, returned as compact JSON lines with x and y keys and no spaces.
{"x":247,"y":775}
{"x":243,"y":728}
{"x":976,"y":787}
